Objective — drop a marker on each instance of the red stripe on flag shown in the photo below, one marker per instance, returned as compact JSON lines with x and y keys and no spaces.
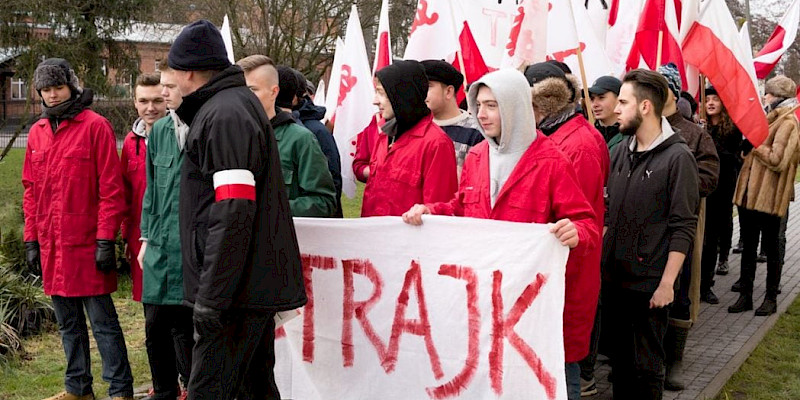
{"x":236,"y":191}
{"x":774,"y":43}
{"x":735,"y":88}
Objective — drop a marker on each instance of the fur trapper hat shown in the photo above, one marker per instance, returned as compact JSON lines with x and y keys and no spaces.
{"x":551,"y":95}
{"x":55,"y":72}
{"x":781,"y":86}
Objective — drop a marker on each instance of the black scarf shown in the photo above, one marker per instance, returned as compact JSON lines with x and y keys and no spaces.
{"x":68,"y":109}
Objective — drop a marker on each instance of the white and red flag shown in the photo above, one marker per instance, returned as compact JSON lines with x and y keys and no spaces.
{"x":319,"y":95}
{"x":433,"y":32}
{"x":527,"y":41}
{"x":383,"y":48}
{"x":659,"y":18}
{"x":780,"y":41}
{"x":623,"y":19}
{"x":563,"y":40}
{"x":713,"y":46}
{"x":332,"y":95}
{"x":354,"y":101}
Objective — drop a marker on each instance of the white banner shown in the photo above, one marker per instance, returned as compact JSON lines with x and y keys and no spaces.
{"x":456,"y":308}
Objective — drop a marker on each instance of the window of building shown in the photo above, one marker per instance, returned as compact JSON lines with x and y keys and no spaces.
{"x":19,"y":89}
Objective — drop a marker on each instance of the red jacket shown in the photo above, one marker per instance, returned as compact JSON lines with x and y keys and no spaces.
{"x":542,"y":188}
{"x":73,"y":197}
{"x":419,"y":168}
{"x":365,"y":141}
{"x":587,"y":150}
{"x":134,"y":152}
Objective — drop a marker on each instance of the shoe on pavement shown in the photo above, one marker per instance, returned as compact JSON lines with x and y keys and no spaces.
{"x":768,"y":307}
{"x":744,"y":303}
{"x":739,"y":248}
{"x":709,"y":297}
{"x":722,"y":268}
{"x":761,"y":258}
{"x":69,"y":396}
{"x":736,"y":287}
{"x":588,"y":388}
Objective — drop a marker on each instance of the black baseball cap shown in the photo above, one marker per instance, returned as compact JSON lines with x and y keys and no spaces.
{"x":605,"y":84}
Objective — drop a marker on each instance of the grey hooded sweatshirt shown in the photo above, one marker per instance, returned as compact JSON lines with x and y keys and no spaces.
{"x":518,"y":125}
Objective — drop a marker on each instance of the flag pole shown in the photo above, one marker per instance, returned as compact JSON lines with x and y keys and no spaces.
{"x":702,"y":107}
{"x":660,"y":47}
{"x":585,"y":86}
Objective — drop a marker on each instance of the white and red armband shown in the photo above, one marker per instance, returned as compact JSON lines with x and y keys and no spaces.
{"x":234,"y":184}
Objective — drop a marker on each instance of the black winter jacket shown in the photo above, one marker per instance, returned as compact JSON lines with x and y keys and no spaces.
{"x":652,"y":199}
{"x":237,"y":253}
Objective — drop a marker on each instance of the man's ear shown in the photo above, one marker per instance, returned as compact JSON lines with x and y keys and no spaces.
{"x":450,"y":91}
{"x":274,"y":92}
{"x":646,"y":107}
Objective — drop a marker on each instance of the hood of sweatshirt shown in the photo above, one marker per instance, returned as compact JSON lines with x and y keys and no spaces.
{"x":139,"y":128}
{"x":307,"y":111}
{"x":406,"y":87}
{"x":518,"y":125}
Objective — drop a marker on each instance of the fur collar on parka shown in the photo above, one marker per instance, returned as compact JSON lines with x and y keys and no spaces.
{"x":766,"y":181}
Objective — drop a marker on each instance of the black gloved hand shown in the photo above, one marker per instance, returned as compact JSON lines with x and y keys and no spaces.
{"x":33,"y":257}
{"x":105,"y":256}
{"x":207,"y":318}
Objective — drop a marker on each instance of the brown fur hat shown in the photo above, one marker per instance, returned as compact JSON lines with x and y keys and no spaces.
{"x":551,"y":95}
{"x":781,"y":86}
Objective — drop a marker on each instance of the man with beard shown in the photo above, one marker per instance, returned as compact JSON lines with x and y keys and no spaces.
{"x":650,"y":221}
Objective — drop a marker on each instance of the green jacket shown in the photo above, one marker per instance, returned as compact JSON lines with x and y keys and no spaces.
{"x":617,"y":139}
{"x":162,"y":272}
{"x":309,"y":184}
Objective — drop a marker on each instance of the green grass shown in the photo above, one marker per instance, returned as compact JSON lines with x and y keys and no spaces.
{"x":41,"y":372}
{"x":351,"y":208}
{"x":11,"y":176}
{"x":772,"y":371}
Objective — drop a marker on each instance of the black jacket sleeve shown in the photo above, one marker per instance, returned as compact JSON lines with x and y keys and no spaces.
{"x":684,"y":199}
{"x":232,"y":142}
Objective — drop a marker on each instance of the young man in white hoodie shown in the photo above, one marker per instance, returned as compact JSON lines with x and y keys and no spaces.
{"x":515,"y":161}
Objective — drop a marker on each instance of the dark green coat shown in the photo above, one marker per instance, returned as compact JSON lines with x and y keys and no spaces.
{"x":309,"y":184}
{"x":162,"y":275}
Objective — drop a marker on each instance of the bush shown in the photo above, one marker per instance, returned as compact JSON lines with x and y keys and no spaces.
{"x":119,"y":112}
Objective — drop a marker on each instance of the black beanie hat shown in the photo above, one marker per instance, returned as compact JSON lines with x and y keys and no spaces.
{"x":541,"y":71}
{"x":287,"y":81}
{"x":444,"y":72}
{"x":302,"y":89}
{"x":711,"y":90}
{"x":55,"y":72}
{"x":199,"y":47}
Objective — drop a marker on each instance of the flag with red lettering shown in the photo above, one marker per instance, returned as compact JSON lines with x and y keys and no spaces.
{"x":404,"y":315}
{"x":527,"y":40}
{"x":434,"y":31}
{"x":623,"y":19}
{"x":332,"y":95}
{"x":563,"y":39}
{"x":780,"y":41}
{"x":713,"y":46}
{"x":354,"y":101}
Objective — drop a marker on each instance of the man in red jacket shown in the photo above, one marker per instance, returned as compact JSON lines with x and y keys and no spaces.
{"x":554,"y":97}
{"x":519,"y":175}
{"x":414,"y":160}
{"x":151,"y":107}
{"x":73,"y":204}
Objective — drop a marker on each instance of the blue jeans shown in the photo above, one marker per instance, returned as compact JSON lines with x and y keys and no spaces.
{"x":573,"y":375}
{"x":110,"y":343}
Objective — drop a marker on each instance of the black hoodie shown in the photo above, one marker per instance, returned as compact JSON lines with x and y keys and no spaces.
{"x":238,"y":253}
{"x":406,"y":86}
{"x":652,"y":198}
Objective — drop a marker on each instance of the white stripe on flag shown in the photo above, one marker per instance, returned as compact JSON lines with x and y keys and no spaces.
{"x":234,"y":177}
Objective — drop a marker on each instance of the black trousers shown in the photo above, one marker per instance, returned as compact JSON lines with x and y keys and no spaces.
{"x":638,"y":344}
{"x":168,"y":338}
{"x":754,"y":222}
{"x":237,"y":360}
{"x":719,"y":229}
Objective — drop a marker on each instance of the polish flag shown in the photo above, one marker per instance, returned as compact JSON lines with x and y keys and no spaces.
{"x":474,"y":64}
{"x":780,"y":41}
{"x":563,"y":39}
{"x":744,"y":36}
{"x":383,"y":49}
{"x":527,"y":41}
{"x":332,"y":96}
{"x":658,"y":17}
{"x":689,"y":12}
{"x":713,"y":46}
{"x":354,"y":101}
